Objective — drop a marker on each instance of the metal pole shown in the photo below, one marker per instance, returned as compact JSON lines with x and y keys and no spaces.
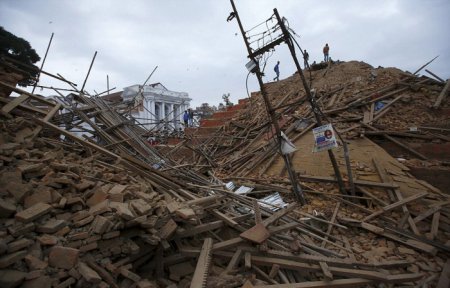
{"x":314,"y":107}
{"x":89,"y":71}
{"x":148,"y":78}
{"x":107,"y":83}
{"x":292,"y":175}
{"x":43,"y":61}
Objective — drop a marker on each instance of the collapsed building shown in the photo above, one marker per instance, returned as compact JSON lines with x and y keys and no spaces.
{"x":218,"y":209}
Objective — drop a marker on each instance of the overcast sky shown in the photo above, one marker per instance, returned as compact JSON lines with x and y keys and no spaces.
{"x":199,"y":52}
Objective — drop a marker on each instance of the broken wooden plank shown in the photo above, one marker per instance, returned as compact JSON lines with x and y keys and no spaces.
{"x":421,"y":246}
{"x":406,"y":147}
{"x":14,"y":103}
{"x":257,"y":234}
{"x":435,"y":225}
{"x":280,"y":213}
{"x":425,"y":214}
{"x":200,"y":229}
{"x":202,"y":269}
{"x":309,"y":178}
{"x":435,"y":76}
{"x":347,"y":272}
{"x":352,"y":282}
{"x":395,"y":205}
{"x":442,"y":96}
{"x":233,"y":242}
{"x":330,"y":227}
{"x":47,"y":118}
{"x":326,"y":271}
{"x":444,"y":279}
{"x":233,"y":262}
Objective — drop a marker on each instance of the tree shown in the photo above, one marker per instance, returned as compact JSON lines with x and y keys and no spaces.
{"x":226,"y":98}
{"x":204,"y":111}
{"x":19,"y":49}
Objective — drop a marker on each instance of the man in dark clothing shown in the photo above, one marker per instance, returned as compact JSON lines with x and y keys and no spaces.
{"x":191,"y":117}
{"x":306,"y":58}
{"x":277,"y":71}
{"x":326,"y":50}
{"x":186,"y":118}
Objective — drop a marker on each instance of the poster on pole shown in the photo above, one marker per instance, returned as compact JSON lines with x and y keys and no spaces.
{"x":324,"y":138}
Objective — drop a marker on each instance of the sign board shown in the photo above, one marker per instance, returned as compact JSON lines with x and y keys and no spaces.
{"x":324,"y":138}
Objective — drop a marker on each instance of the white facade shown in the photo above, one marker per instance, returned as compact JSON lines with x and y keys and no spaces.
{"x":157,"y":107}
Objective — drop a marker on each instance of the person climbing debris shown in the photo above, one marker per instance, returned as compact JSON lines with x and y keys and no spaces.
{"x":277,"y":71}
{"x":306,"y":58}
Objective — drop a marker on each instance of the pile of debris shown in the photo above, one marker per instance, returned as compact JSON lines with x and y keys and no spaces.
{"x":109,"y":210}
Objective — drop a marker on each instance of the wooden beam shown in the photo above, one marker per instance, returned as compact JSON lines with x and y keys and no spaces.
{"x":444,"y":280}
{"x":14,"y":103}
{"x":435,"y":225}
{"x":23,"y":92}
{"x":352,"y":282}
{"x":47,"y":118}
{"x":200,"y":229}
{"x":421,"y":246}
{"x":435,"y":76}
{"x":201,"y":270}
{"x":395,"y":205}
{"x":309,"y":178}
{"x":442,"y":96}
{"x":280,"y":213}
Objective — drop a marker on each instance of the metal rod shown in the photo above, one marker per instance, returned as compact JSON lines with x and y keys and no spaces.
{"x":148,"y":78}
{"x":292,"y":175}
{"x":42,"y":64}
{"x":89,"y":71}
{"x":107,"y":83}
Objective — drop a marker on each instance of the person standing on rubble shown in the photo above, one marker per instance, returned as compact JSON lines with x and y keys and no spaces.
{"x":326,"y":50}
{"x":186,"y":118}
{"x":191,"y":117}
{"x":306,"y":58}
{"x":277,"y":71}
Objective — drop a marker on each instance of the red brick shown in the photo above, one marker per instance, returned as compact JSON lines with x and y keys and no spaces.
{"x":33,"y":212}
{"x":6,"y":209}
{"x":42,"y":196}
{"x":12,"y":258}
{"x":88,"y":273}
{"x":96,"y":198}
{"x":35,"y":263}
{"x":11,"y":278}
{"x":63,"y":257}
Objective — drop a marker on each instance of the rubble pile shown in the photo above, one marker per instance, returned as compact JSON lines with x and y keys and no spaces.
{"x":111,"y":211}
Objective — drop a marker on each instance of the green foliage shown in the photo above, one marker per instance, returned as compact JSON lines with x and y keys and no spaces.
{"x":20,"y":50}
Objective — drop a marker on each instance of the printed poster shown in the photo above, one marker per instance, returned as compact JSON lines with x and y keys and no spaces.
{"x":324,"y":138}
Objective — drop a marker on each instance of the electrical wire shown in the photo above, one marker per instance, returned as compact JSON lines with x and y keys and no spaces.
{"x":265,"y":21}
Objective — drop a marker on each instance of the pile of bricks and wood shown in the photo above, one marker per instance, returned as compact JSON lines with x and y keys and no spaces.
{"x":111,"y":211}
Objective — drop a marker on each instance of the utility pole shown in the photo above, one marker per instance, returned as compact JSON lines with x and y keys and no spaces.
{"x":271,"y":112}
{"x":315,"y":109}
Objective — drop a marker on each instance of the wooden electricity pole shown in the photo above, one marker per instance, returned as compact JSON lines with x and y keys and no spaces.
{"x":315,"y":109}
{"x":252,"y":55}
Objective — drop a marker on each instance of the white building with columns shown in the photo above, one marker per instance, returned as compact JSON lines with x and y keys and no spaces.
{"x":156,"y":107}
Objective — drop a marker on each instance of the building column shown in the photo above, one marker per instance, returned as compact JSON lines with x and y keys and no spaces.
{"x":171,"y":113}
{"x":152,"y":117}
{"x":163,"y":112}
